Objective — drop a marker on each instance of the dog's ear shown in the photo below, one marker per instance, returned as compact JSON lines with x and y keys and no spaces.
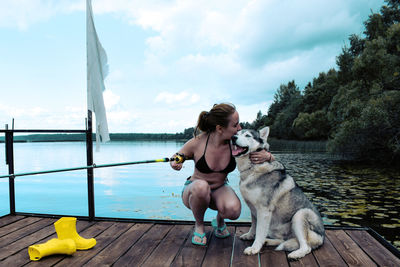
{"x":264,"y":132}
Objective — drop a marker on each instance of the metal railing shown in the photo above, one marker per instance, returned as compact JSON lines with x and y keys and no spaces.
{"x":9,"y":152}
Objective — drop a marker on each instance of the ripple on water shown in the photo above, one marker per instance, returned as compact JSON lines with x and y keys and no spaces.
{"x":349,"y":195}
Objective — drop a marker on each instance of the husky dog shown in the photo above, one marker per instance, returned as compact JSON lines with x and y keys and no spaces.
{"x":281,"y":214}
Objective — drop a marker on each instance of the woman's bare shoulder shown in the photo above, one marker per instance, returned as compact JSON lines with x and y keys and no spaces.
{"x":195,"y":141}
{"x":192,"y":145}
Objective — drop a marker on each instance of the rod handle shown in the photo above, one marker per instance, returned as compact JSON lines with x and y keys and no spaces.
{"x":178,"y":158}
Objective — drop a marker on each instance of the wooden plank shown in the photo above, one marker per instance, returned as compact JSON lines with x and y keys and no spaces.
{"x":38,"y":232}
{"x":219,"y":252}
{"x":240,"y":259}
{"x":9,"y":219}
{"x":22,"y":257}
{"x":117,"y":248}
{"x":192,"y":255}
{"x":307,"y":261}
{"x":270,"y":257}
{"x":373,"y":248}
{"x":139,"y":252}
{"x":106,"y":237}
{"x":17,"y":225}
{"x":12,"y":232}
{"x":327,"y":255}
{"x":167,"y":250}
{"x":348,"y":249}
{"x":162,"y":245}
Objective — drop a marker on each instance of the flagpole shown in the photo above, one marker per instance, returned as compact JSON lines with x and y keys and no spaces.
{"x":89,"y":135}
{"x":89,"y":161}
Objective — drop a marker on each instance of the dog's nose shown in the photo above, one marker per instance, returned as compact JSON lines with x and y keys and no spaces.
{"x":234,"y":138}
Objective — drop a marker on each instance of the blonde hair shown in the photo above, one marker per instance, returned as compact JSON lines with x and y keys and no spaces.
{"x":218,"y":115}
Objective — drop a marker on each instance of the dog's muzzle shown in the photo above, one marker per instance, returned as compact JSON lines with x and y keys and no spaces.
{"x":236,"y":149}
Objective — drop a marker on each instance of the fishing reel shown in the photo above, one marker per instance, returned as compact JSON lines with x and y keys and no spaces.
{"x":178,"y":158}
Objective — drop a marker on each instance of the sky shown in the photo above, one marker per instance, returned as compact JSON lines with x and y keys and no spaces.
{"x":168,"y":60}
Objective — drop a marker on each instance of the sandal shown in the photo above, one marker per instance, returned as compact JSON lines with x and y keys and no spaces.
{"x":194,"y":242}
{"x":219,"y":230}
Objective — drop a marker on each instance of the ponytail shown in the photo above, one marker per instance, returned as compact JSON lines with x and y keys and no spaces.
{"x":218,"y":115}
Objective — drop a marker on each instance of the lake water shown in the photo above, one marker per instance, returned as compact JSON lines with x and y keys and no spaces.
{"x":346,"y":195}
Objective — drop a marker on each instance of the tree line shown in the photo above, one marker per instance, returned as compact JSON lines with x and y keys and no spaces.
{"x":188,"y":133}
{"x":355,"y":107}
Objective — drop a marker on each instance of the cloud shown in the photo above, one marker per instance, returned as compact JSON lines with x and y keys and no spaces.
{"x":248,"y":32}
{"x":23,"y":13}
{"x":120,"y":119}
{"x":212,"y":66}
{"x":110,"y":99}
{"x":181,"y":99}
{"x":34,"y":117}
{"x":254,"y":31}
{"x":115,"y":76}
{"x":118,"y":116}
{"x":15,"y":112}
{"x":287,"y":27}
{"x":248,"y":113}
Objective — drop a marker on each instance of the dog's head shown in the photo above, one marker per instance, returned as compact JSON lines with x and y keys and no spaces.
{"x":247,"y":141}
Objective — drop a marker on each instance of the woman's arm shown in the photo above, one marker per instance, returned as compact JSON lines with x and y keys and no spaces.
{"x":186,"y":152}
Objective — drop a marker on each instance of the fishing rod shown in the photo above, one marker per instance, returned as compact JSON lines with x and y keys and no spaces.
{"x":178,"y":158}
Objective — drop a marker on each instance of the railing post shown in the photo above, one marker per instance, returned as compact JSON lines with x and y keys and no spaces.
{"x":9,"y":146}
{"x":90,"y":173}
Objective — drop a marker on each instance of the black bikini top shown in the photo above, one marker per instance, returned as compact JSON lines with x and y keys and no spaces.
{"x":202,"y":165}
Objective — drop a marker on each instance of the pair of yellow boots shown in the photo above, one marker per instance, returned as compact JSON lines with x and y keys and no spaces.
{"x":68,"y":241}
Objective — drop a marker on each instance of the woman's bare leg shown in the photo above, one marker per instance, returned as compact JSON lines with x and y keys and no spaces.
{"x":226,"y":202}
{"x":196,"y":197}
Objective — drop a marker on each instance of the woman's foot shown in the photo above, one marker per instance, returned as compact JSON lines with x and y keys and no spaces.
{"x":220,"y":231}
{"x":199,"y":235}
{"x":199,"y":239}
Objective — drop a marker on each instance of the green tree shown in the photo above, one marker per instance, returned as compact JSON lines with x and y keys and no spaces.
{"x":345,"y":63}
{"x":259,"y":122}
{"x":319,"y":94}
{"x":284,"y":110}
{"x":312,"y":126}
{"x":312,"y":123}
{"x":374,"y":134}
{"x":364,"y":114}
{"x":186,"y":134}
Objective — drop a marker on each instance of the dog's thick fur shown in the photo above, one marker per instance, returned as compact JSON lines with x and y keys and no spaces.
{"x":281,"y":213}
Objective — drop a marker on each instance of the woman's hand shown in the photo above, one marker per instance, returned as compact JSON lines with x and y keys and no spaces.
{"x":176,"y":161}
{"x":261,"y":157}
{"x":176,"y":166}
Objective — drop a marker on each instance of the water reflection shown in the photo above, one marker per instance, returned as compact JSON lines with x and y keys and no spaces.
{"x":349,"y":195}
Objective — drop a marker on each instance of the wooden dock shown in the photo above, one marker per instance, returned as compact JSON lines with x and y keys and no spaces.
{"x":163,"y":244}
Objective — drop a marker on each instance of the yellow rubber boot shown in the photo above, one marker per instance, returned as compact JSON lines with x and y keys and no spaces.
{"x":51,"y":247}
{"x":66,"y":229}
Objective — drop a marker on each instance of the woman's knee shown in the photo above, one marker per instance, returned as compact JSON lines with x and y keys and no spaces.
{"x":235,"y":211}
{"x":200,"y":189}
{"x":232,"y":209}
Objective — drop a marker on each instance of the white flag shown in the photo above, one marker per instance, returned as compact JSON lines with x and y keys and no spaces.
{"x":97,"y":70}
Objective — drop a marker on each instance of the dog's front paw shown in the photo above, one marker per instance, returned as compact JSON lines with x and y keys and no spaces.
{"x":247,"y":236}
{"x":251,"y":250}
